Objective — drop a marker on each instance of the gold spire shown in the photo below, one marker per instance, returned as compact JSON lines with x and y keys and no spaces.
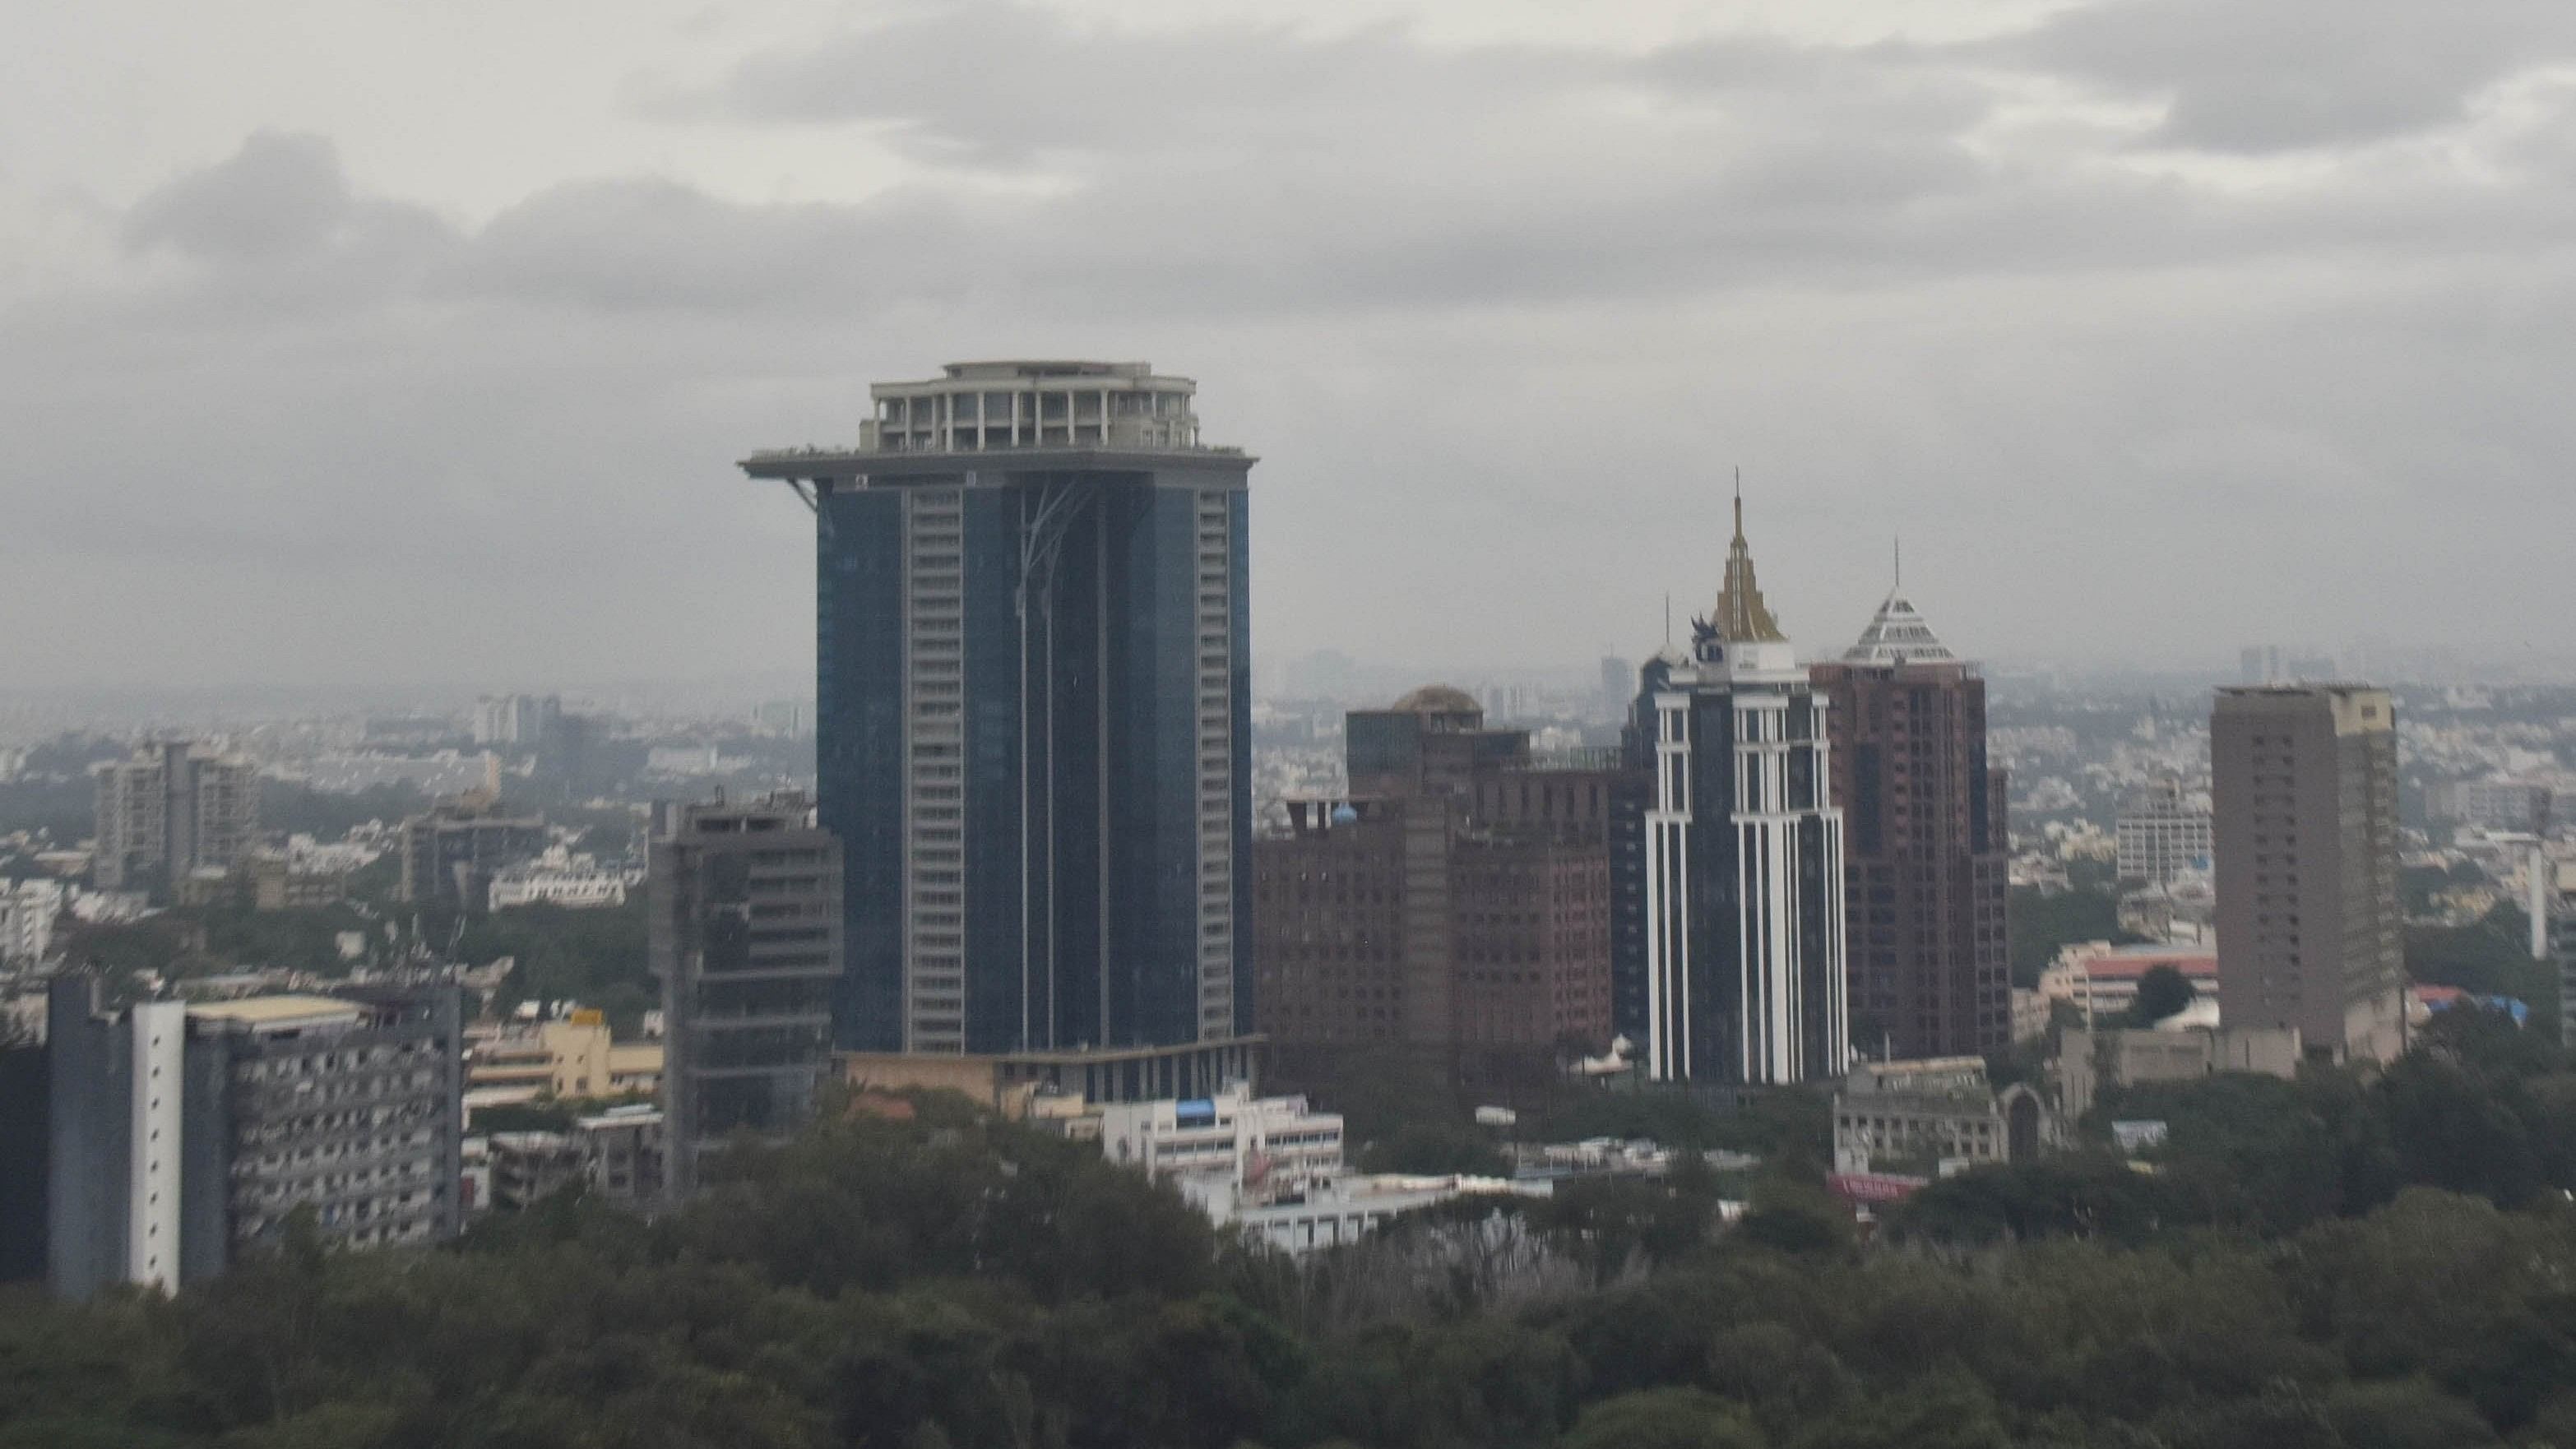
{"x":1742,"y":617}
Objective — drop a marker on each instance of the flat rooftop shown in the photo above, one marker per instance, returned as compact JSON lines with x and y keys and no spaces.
{"x":279,"y":1013}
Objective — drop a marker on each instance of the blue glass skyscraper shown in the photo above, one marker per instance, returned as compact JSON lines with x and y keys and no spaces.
{"x":1033,"y":717}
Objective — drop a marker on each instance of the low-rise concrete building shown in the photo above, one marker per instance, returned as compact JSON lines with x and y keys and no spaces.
{"x":575,"y":1056}
{"x":617,"y":1155}
{"x":1260,"y":1146}
{"x":2090,"y":1060}
{"x":1937,"y":1116}
{"x":1007,"y":1082}
{"x":1328,"y":1216}
{"x":2101,"y":980}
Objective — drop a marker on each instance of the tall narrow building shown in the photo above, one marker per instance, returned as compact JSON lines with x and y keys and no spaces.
{"x":1743,"y":897}
{"x":1927,"y":854}
{"x":744,"y":930}
{"x":2304,"y":821}
{"x":1033,"y":712}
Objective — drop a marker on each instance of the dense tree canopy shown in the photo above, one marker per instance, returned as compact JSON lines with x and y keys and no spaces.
{"x":2162,"y":991}
{"x":951,"y":1280}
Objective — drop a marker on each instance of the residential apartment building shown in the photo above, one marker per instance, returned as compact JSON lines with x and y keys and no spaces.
{"x":182,"y":1134}
{"x":28,"y":910}
{"x":1926,"y":848}
{"x":452,"y":854}
{"x":170,"y":811}
{"x":1033,"y":719}
{"x":2163,"y":832}
{"x":2498,"y":807}
{"x":744,"y":929}
{"x":2309,"y":930}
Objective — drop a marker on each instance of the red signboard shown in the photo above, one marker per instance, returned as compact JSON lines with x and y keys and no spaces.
{"x":1869,"y":1187}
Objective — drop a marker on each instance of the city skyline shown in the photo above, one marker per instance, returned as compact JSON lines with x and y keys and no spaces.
{"x":2042,"y":290}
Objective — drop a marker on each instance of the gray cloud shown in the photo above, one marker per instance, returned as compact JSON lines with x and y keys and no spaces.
{"x":2277,"y":75}
{"x":1496,"y":316}
{"x":279,"y":196}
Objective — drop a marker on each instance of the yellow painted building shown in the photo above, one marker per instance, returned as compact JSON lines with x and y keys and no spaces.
{"x":575,"y":1057}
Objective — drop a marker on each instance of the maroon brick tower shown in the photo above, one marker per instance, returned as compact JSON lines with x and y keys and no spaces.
{"x":1924,"y":840}
{"x":1455,"y":906}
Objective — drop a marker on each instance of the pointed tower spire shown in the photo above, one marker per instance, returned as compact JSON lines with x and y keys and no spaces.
{"x":1742,"y":617}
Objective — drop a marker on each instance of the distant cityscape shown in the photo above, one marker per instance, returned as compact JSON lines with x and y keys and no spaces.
{"x":1044,"y":835}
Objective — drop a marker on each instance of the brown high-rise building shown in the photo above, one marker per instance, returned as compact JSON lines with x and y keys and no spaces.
{"x":1925,"y":848}
{"x":1457,"y":901}
{"x":2304,"y":822}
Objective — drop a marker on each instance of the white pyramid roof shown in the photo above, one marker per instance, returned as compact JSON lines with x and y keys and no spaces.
{"x":1898,"y":635}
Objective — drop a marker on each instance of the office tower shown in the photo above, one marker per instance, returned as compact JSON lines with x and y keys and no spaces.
{"x":2162,"y":831}
{"x":2305,"y":824}
{"x":1927,"y":854}
{"x":521,"y":721}
{"x":745,"y":936}
{"x":788,"y":717}
{"x":1618,"y":685}
{"x":451,"y":855}
{"x":2278,"y":664}
{"x":169,"y":811}
{"x":1744,"y":855}
{"x":183,"y":1134}
{"x":1458,"y":900}
{"x":1033,"y":719}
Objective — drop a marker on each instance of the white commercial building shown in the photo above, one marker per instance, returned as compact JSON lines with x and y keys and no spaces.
{"x":1258,"y":1146}
{"x":2163,"y":834}
{"x":1272,"y":1168}
{"x":560,"y":878}
{"x":1327,"y":1217}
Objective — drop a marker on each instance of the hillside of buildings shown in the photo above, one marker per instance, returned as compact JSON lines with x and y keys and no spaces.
{"x":2325,"y":1263}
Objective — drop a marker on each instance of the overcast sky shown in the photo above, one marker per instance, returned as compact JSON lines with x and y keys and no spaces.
{"x":347,"y":340}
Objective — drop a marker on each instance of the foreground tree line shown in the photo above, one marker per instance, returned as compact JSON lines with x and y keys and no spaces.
{"x":956,"y":1281}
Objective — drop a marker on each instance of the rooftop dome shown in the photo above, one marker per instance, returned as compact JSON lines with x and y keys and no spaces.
{"x":1438,"y":699}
